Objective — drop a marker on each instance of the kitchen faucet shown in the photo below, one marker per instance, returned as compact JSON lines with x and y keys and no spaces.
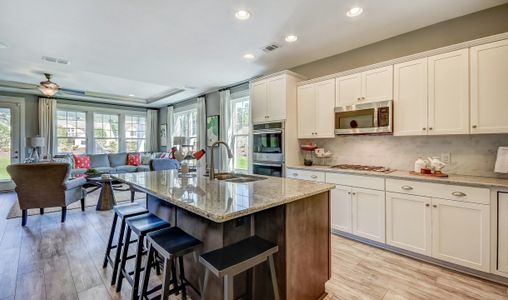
{"x":212,"y":163}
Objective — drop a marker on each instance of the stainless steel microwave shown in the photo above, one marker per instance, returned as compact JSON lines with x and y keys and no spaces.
{"x":365,"y":118}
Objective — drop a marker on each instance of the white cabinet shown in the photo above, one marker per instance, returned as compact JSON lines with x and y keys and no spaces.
{"x":410,"y":98}
{"x":258,"y":95}
{"x":341,"y":208}
{"x":408,"y":222}
{"x":368,"y":86}
{"x":368,"y":207}
{"x":489,"y":88}
{"x":502,"y":233}
{"x":448,"y":93}
{"x":316,"y":109}
{"x":460,"y":233}
{"x":305,"y":175}
{"x":276,"y":99}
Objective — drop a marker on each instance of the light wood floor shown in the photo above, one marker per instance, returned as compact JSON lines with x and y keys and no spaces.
{"x":50,"y":260}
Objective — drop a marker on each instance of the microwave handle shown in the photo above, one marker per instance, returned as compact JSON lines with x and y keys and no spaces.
{"x":266,"y":131}
{"x":376,"y":121}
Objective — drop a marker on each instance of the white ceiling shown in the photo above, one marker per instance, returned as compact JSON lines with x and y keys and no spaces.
{"x":144,"y":48}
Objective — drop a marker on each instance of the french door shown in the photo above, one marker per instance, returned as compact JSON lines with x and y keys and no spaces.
{"x":9,"y":141}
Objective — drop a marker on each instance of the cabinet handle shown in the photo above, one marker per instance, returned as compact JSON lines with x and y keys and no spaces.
{"x":474,"y":126}
{"x":459,"y":194}
{"x":349,"y":193}
{"x":363,"y":98}
{"x":424,"y":128}
{"x":406,"y":187}
{"x":313,"y":176}
{"x":358,"y":98}
{"x":354,"y":193}
{"x":295,"y":174}
{"x":427,"y":204}
{"x":430,"y":128}
{"x":435,"y":206}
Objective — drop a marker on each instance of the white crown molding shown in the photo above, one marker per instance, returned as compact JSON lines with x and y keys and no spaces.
{"x":454,"y":47}
{"x":285,"y":72}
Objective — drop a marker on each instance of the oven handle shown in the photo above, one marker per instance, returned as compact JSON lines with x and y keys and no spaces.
{"x":266,"y":131}
{"x":266,"y":164}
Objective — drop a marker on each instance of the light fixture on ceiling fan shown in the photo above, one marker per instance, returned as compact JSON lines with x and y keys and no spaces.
{"x":48,"y":88}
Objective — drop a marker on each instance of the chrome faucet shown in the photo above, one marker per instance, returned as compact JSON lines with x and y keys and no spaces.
{"x":212,"y":163}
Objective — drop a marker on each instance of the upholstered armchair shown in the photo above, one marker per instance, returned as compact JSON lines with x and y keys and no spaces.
{"x":44,"y":185}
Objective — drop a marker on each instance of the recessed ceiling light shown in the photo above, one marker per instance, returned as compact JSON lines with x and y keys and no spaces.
{"x":291,"y":38}
{"x":354,"y":12}
{"x":248,"y":56}
{"x":242,"y":15}
{"x":3,"y":46}
{"x":131,"y":95}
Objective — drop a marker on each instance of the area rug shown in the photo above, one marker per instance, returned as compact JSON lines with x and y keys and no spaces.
{"x":91,"y":200}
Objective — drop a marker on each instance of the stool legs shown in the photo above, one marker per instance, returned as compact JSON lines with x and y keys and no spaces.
{"x":205,"y":284}
{"x":228,"y":287}
{"x":168,"y":266}
{"x":274,"y":278}
{"x":119,"y":247}
{"x":137,"y":268}
{"x":182,"y":277}
{"x":110,"y":241}
{"x":146,"y":276}
{"x":125,"y":250}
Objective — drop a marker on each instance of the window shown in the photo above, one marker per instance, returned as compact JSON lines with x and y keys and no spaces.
{"x":71,"y":131}
{"x":185,"y":125}
{"x":106,"y":133}
{"x":240,"y":132}
{"x":135,"y":133}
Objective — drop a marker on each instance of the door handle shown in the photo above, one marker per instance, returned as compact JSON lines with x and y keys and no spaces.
{"x":14,"y":157}
{"x":427,"y":204}
{"x":459,"y":194}
{"x":313,"y":176}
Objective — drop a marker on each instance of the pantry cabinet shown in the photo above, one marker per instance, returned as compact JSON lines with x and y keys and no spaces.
{"x":315,"y":107}
{"x":368,"y":86}
{"x":489,"y":91}
{"x":408,"y":222}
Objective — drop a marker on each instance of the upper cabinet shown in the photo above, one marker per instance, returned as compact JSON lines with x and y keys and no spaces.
{"x":368,"y":86}
{"x":489,"y":88}
{"x":315,"y":106}
{"x":270,"y":97}
{"x":431,"y":95}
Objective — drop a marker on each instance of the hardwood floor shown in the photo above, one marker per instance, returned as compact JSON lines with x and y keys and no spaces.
{"x":50,"y":260}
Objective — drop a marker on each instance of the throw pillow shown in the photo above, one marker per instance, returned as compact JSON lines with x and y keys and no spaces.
{"x":145,"y":158}
{"x":134,"y":159}
{"x":82,"y":162}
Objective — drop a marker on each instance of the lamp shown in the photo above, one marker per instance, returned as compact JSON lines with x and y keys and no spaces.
{"x":36,"y":143}
{"x":48,"y":88}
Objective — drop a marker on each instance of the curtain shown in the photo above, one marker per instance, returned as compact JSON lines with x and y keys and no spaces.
{"x":201,"y":124}
{"x":152,"y":130}
{"x":225,"y":128}
{"x":171,"y":127}
{"x":47,"y":125}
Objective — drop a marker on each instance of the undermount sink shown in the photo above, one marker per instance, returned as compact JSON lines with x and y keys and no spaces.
{"x":239,"y":178}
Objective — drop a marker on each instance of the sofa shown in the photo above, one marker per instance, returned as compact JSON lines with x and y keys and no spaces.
{"x":112,"y":163}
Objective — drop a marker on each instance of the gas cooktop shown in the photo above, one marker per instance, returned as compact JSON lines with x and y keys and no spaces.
{"x":363,"y":168}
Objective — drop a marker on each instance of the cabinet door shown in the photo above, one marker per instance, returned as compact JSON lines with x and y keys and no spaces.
{"x":460,"y":233}
{"x":377,"y":84}
{"x":502,"y":232}
{"x":258,"y":99}
{"x":348,"y":89}
{"x":341,"y":208}
{"x":325,"y":104}
{"x":306,"y":111}
{"x":449,"y":93}
{"x":410,"y":98}
{"x":489,"y":88}
{"x":276,"y":101}
{"x":408,"y":222}
{"x":369,"y":214}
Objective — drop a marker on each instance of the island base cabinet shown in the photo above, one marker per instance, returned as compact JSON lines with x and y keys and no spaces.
{"x":460,"y":233}
{"x":408,"y":222}
{"x":369,"y":214}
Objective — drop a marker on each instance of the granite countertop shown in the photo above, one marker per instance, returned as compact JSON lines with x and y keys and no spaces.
{"x":476,"y":181}
{"x":218,"y":200}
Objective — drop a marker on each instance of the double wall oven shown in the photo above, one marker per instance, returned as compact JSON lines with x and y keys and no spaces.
{"x":268,"y":149}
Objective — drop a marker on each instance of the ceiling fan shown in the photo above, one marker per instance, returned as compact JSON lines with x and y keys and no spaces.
{"x":49,"y":88}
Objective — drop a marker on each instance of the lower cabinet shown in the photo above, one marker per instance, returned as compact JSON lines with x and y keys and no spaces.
{"x":408,"y":222}
{"x":341,"y":208}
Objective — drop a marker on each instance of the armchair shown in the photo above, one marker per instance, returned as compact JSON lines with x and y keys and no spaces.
{"x":44,"y":185}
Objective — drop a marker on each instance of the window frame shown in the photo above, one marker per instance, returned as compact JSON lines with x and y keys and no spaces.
{"x":186,"y":109}
{"x":138,"y":139}
{"x":234,"y":136}
{"x":57,"y":137}
{"x":95,"y":138}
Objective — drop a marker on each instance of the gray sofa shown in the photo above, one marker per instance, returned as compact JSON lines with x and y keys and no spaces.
{"x":112,"y":163}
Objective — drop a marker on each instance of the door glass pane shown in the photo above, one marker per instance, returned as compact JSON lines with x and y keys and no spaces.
{"x":5,"y":142}
{"x":241,"y":152}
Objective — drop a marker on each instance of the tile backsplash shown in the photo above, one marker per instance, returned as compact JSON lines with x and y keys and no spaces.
{"x":470,"y":154}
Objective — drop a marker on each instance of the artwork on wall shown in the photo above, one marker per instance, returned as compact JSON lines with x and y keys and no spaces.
{"x":212,"y":129}
{"x":164,"y":135}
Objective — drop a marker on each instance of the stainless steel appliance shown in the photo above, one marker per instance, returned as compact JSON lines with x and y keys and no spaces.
{"x":268,"y":149}
{"x":365,"y":118}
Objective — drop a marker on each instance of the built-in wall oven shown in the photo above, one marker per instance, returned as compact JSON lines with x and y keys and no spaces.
{"x":365,"y":118}
{"x":268,"y":149}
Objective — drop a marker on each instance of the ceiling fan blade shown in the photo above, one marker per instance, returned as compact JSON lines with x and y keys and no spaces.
{"x":72,"y":92}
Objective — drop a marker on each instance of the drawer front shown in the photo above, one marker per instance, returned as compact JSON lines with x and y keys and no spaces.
{"x":367,"y":182}
{"x":306,"y":175}
{"x":437,"y":190}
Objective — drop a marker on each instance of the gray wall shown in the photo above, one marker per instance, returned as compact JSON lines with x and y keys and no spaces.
{"x":469,"y":27}
{"x":31,"y":112}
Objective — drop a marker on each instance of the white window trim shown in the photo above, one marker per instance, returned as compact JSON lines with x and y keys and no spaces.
{"x":239,"y":97}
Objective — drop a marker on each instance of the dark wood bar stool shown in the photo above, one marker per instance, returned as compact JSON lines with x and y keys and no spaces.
{"x":171,"y":244}
{"x":141,"y":225}
{"x":239,"y":257}
{"x":123,"y":212}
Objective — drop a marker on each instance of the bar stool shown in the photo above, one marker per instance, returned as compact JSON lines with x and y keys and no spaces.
{"x":123,"y":212}
{"x":171,"y":244}
{"x":141,"y":225}
{"x":239,"y":257}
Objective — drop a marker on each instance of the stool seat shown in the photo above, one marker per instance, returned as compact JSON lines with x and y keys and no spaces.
{"x":130,"y":209}
{"x":220,"y":261}
{"x":173,"y":241}
{"x":145,"y":223}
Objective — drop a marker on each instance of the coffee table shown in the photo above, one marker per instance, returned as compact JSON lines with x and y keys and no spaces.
{"x":107,"y":197}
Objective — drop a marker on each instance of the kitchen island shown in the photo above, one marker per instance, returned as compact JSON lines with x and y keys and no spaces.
{"x":295,"y":214}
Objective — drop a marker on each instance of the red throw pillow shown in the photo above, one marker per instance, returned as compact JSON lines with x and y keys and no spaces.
{"x":134,"y":159}
{"x":82,"y":161}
